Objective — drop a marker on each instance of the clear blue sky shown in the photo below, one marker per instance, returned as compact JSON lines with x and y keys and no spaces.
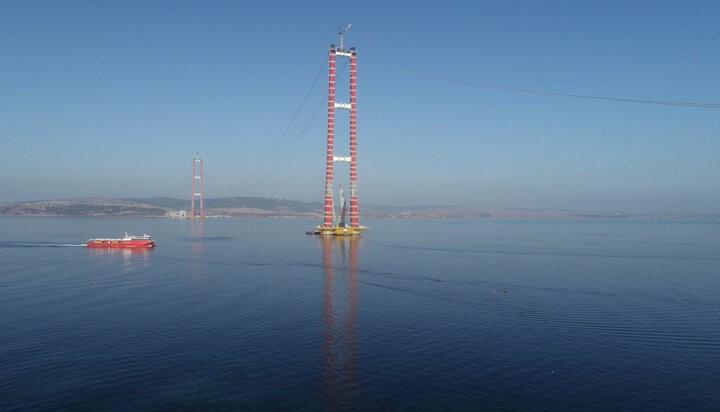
{"x":113,"y":98}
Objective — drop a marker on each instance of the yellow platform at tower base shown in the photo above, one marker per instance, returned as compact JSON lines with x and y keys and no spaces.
{"x":337,"y":231}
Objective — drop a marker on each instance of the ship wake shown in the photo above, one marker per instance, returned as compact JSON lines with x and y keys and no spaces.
{"x":10,"y":245}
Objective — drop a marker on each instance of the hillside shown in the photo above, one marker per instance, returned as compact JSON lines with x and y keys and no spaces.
{"x":220,"y":207}
{"x":264,"y":207}
{"x":83,"y":207}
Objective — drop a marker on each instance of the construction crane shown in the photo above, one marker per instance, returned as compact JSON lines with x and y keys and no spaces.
{"x":341,"y":32}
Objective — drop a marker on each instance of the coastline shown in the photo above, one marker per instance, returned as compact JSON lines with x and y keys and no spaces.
{"x":270,"y":208}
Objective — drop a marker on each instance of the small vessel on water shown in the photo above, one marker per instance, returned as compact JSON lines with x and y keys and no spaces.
{"x":129,"y":241}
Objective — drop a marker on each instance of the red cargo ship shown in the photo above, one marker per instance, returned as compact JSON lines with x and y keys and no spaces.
{"x":129,"y":241}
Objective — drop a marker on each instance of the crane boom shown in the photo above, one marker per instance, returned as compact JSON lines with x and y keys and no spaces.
{"x":341,"y":32}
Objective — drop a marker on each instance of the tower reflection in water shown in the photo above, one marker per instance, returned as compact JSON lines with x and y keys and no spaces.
{"x":340,"y":339}
{"x":195,"y":261}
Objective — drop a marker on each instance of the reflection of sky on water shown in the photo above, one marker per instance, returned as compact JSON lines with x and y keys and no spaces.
{"x":195,"y":256}
{"x":132,"y":258}
{"x":263,"y":317}
{"x":340,"y":339}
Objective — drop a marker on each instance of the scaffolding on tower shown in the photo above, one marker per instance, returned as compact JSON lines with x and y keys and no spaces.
{"x":331,"y":226}
{"x":197,"y":188}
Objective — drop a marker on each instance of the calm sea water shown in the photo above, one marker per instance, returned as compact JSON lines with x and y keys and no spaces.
{"x":252,"y":314}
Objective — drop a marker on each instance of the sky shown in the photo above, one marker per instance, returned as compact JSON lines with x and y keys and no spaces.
{"x":587,"y":105}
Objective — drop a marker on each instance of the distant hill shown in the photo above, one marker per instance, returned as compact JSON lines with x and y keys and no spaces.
{"x":82,"y":207}
{"x":161,"y":207}
{"x":164,"y":202}
{"x":265,"y":207}
{"x":260,"y":203}
{"x":231,"y":206}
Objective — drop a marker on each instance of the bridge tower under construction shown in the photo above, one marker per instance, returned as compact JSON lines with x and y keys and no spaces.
{"x":332,"y":224}
{"x":197,"y":188}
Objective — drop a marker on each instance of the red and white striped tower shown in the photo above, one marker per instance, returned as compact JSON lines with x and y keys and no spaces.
{"x":353,"y":140}
{"x":329,"y":227}
{"x":197,"y":188}
{"x":329,"y":159}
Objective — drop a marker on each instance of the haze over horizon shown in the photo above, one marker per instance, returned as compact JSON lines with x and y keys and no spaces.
{"x":599,"y":105}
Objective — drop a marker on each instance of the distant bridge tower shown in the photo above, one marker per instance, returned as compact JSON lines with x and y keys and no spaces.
{"x":329,"y":227}
{"x":197,"y":188}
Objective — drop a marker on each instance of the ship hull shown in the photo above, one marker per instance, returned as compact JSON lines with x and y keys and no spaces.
{"x":121,"y":243}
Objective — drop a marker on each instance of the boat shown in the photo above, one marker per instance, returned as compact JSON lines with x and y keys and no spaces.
{"x":129,"y":241}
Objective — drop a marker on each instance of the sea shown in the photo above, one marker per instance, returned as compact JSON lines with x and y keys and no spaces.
{"x":415,"y":315}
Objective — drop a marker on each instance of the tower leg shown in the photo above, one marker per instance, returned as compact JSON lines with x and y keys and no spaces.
{"x":328,"y":218}
{"x":197,"y":189}
{"x":192,"y":198}
{"x":353,"y":141}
